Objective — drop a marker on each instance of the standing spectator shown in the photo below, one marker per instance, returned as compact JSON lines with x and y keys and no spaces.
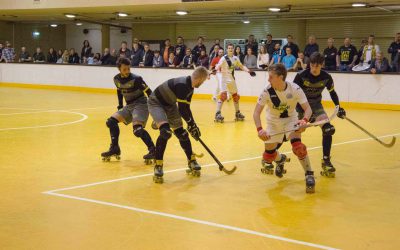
{"x":213,"y":64}
{"x":86,"y":49}
{"x":215,"y":60}
{"x":203,"y":59}
{"x":252,"y":44}
{"x":8,"y":53}
{"x":289,"y":60}
{"x":347,"y":56}
{"x":113,"y":57}
{"x":263,"y":58}
{"x":396,"y":63}
{"x":330,"y":54}
{"x":198,"y":48}
{"x":136,"y":55}
{"x":277,"y":54}
{"x":238,"y":52}
{"x":370,"y":50}
{"x":166,"y":50}
{"x":294,"y":48}
{"x":136,"y":40}
{"x":105,"y":59}
{"x":73,"y":57}
{"x":394,"y":48}
{"x":187,"y":61}
{"x":147,"y":59}
{"x":270,"y":45}
{"x":52,"y":56}
{"x":213,"y":53}
{"x":24,"y":56}
{"x":180,"y":48}
{"x":250,"y":60}
{"x":300,"y":63}
{"x":124,"y":51}
{"x":158,"y":60}
{"x":217,"y":41}
{"x":379,"y":64}
{"x":310,"y":48}
{"x":38,"y":56}
{"x":360,"y":51}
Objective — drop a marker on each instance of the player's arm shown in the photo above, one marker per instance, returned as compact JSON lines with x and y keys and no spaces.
{"x":120,"y":99}
{"x":335,"y":98}
{"x":262,"y":101}
{"x":144,"y":87}
{"x":186,"y":113}
{"x":219,"y":64}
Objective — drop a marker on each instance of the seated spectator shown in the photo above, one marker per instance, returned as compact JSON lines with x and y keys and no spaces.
{"x":187,"y":61}
{"x":166,"y":50}
{"x":96,"y":59}
{"x":238,"y":52}
{"x":86,"y":49}
{"x":310,"y":48}
{"x":24,"y":56}
{"x":294,"y":48}
{"x":52,"y":56}
{"x":213,"y":53}
{"x":198,"y":48}
{"x":250,"y":60}
{"x":65,"y":56}
{"x":105,"y":59}
{"x":8,"y":53}
{"x":277,"y":54}
{"x":263,"y":58}
{"x":124,"y":51}
{"x":347,"y":56}
{"x":330,"y":54}
{"x":158,"y":60}
{"x":394,"y":48}
{"x":217,"y":41}
{"x":289,"y":60}
{"x":73,"y":57}
{"x":379,"y":64}
{"x":300,"y":63}
{"x":147,"y":59}
{"x":113,"y":57}
{"x":136,"y":55}
{"x":215,"y":60}
{"x":38,"y":56}
{"x":1,"y":49}
{"x":203,"y":59}
{"x":172,"y":61}
{"x":252,"y":44}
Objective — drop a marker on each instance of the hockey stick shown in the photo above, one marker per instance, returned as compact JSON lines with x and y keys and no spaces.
{"x":388,"y":145}
{"x":221,"y":167}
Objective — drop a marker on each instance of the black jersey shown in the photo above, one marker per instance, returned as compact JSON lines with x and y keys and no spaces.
{"x":131,"y":88}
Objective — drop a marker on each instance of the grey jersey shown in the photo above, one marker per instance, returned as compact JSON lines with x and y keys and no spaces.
{"x":132,"y":87}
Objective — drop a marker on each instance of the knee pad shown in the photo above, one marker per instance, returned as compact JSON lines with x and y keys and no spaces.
{"x":223,"y":96}
{"x":328,"y":129}
{"x":299,"y":149}
{"x":270,"y":155}
{"x":138,"y":130}
{"x":181,"y":134}
{"x":165,"y":131}
{"x":236,"y":97}
{"x":111,"y":122}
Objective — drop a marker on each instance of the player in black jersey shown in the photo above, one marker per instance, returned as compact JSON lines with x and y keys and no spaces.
{"x":168,"y":104}
{"x":313,"y":81}
{"x":133,"y":89}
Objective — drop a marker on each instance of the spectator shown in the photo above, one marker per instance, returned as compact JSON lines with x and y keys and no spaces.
{"x":250,"y":60}
{"x":300,"y":63}
{"x":396,"y":63}
{"x":136,"y":40}
{"x":330,"y":54}
{"x":215,"y":60}
{"x":177,"y":53}
{"x":252,"y":44}
{"x":270,"y":45}
{"x":277,"y":54}
{"x":187,"y":61}
{"x":73,"y":57}
{"x":158,"y":60}
{"x":24,"y":56}
{"x":86,"y":49}
{"x":198,"y":48}
{"x":216,"y":42}
{"x":379,"y":64}
{"x":289,"y":60}
{"x":105,"y":59}
{"x":147,"y":59}
{"x":310,"y":48}
{"x":203,"y":59}
{"x":8,"y":53}
{"x":38,"y":56}
{"x":347,"y":56}
{"x":113,"y":57}
{"x":263,"y":58}
{"x":96,"y":59}
{"x":238,"y":52}
{"x":124,"y":51}
{"x":166,"y":50}
{"x":1,"y":49}
{"x":172,"y":62}
{"x":136,"y":55}
{"x":180,"y":49}
{"x":294,"y":48}
{"x":52,"y":56}
{"x":394,"y":48}
{"x":360,"y":51}
{"x":214,"y":53}
{"x":65,"y":57}
{"x":370,"y":50}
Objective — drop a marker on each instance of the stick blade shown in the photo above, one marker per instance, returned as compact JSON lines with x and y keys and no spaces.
{"x":391,"y":144}
{"x":226,"y":171}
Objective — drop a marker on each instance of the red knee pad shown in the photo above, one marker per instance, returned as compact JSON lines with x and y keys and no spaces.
{"x":223,"y":96}
{"x":299,"y":149}
{"x":269,"y":157}
{"x":236,"y":97}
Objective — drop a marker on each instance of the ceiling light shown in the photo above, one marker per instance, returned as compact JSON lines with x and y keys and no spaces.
{"x":246,"y":21}
{"x":359,"y":4}
{"x":274,"y":9}
{"x":79,"y":24}
{"x":70,"y":15}
{"x":53,"y":25}
{"x":122,"y":14}
{"x":181,"y":12}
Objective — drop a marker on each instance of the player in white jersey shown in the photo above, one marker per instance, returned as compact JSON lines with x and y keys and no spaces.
{"x":281,"y":98}
{"x":226,"y":66}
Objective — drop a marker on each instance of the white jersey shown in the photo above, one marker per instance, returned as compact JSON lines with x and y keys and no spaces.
{"x":224,"y":67}
{"x":289,"y":98}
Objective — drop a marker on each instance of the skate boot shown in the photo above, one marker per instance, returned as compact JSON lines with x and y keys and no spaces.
{"x":279,"y":169}
{"x":113,"y":151}
{"x":327,"y":168}
{"x":310,"y":182}
{"x":158,"y":172}
{"x":267,"y":168}
{"x":194,"y":167}
{"x":150,"y":157}
{"x":219,"y":117}
{"x":239,"y":116}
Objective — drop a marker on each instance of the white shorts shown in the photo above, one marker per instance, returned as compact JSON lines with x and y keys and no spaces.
{"x":226,"y":84}
{"x":278,"y":126}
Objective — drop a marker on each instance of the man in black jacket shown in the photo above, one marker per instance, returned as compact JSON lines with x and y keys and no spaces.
{"x":147,"y":58}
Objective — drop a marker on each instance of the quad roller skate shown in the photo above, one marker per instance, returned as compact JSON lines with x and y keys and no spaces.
{"x":239,"y":116}
{"x":158,"y":172}
{"x":327,"y":168}
{"x":194,"y":167}
{"x":279,"y":169}
{"x":310,"y":182}
{"x":113,"y":151}
{"x":219,"y":118}
{"x":267,"y":168}
{"x":150,"y":157}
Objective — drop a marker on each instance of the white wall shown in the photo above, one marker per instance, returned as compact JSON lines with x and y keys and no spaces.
{"x":75,"y":37}
{"x":359,"y":88}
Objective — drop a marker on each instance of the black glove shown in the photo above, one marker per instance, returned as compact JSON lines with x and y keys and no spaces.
{"x":120,"y":107}
{"x":194,"y":131}
{"x":252,"y":73}
{"x":341,"y":113}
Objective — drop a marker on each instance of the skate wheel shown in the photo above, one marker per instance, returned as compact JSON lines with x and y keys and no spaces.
{"x":196,"y":173}
{"x":287,"y":159}
{"x":158,"y":179}
{"x":284,"y":171}
{"x":108,"y":159}
{"x":264,"y":171}
{"x":188,"y":171}
{"x":118,"y":157}
{"x":310,"y":190}
{"x":322,"y":173}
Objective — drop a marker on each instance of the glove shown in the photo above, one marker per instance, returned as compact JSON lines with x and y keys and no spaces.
{"x":252,"y":73}
{"x":194,"y":131}
{"x":120,"y":107}
{"x":341,"y":113}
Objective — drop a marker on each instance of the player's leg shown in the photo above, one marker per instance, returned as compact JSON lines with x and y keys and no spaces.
{"x":232,"y":89}
{"x":112,"y":124}
{"x":223,"y":95}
